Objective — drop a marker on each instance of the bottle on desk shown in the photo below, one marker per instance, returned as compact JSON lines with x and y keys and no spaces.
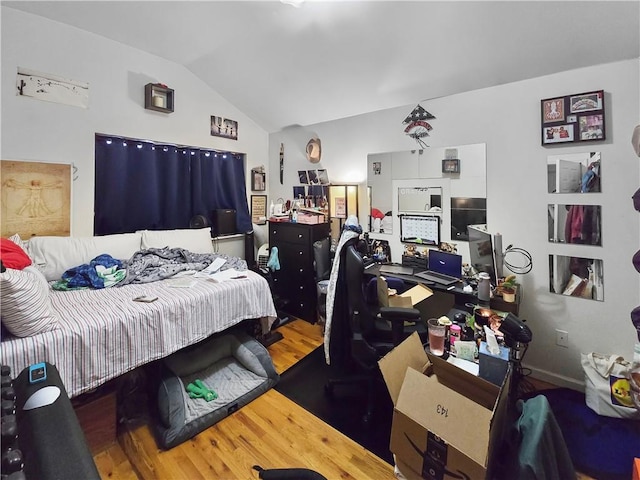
{"x":484,"y":287}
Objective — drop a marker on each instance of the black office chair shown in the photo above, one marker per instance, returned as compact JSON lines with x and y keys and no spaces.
{"x":361,"y":334}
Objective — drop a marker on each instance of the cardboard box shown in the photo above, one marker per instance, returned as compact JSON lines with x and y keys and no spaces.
{"x":310,"y":218}
{"x":408,"y":299}
{"x":446,"y":421}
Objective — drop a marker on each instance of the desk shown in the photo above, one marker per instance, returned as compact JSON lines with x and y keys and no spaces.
{"x":447,"y":295}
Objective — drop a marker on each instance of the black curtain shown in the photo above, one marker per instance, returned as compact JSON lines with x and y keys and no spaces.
{"x":145,"y":185}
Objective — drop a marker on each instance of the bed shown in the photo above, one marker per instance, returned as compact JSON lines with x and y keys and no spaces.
{"x":102,"y":334}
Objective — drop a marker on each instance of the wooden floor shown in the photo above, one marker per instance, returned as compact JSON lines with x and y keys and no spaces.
{"x":271,"y":431}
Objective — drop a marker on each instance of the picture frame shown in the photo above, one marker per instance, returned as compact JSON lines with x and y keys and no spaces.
{"x":573,"y":118}
{"x":558,"y":134}
{"x":259,"y":209}
{"x":323,"y":177}
{"x":258,"y":180}
{"x":299,"y":192}
{"x":38,"y":198}
{"x":224,"y":127}
{"x":553,"y":110}
{"x":313,"y":177}
{"x":451,"y":165}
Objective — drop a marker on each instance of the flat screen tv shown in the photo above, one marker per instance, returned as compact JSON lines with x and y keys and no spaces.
{"x":466,"y":211}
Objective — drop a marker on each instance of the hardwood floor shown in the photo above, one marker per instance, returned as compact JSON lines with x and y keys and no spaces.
{"x":271,"y":431}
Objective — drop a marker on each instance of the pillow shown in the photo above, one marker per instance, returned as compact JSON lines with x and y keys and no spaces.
{"x":12,"y":255}
{"x":26,"y":307}
{"x":23,"y":244}
{"x":55,"y":255}
{"x":194,"y":240}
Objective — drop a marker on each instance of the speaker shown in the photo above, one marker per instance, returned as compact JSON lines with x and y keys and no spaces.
{"x":249,"y":250}
{"x":223,"y":222}
{"x":199,"y":221}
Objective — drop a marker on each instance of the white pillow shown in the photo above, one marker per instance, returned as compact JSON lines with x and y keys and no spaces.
{"x":195,"y":240}
{"x":26,"y":307}
{"x":23,"y":244}
{"x":55,"y":255}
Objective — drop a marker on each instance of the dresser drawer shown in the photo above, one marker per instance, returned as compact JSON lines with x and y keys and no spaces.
{"x":294,"y":259}
{"x":289,"y":232}
{"x":293,"y":285}
{"x":303,"y":309}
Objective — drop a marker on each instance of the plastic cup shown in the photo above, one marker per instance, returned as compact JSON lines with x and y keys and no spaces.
{"x":436,"y":336}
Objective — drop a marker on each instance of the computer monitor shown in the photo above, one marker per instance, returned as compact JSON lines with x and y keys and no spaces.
{"x":420,"y":229}
{"x":481,"y":251}
{"x":445,"y":263}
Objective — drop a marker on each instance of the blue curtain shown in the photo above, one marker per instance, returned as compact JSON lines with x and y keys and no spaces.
{"x":143,"y":185}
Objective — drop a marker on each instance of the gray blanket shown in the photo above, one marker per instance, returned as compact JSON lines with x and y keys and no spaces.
{"x":155,"y":264}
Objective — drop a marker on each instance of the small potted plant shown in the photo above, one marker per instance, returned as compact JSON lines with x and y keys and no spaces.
{"x":508,"y":289}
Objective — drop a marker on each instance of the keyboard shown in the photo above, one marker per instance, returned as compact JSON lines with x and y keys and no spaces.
{"x":436,"y":277}
{"x":396,"y":270}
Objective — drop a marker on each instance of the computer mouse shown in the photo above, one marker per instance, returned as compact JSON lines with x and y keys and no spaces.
{"x":42,"y":397}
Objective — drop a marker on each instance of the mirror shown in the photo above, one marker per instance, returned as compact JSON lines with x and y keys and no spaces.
{"x":574,"y":173}
{"x":420,"y":199}
{"x":576,"y":277}
{"x":579,"y":224}
{"x":462,"y":190}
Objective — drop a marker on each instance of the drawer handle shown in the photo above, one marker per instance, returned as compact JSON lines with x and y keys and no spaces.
{"x":299,"y":235}
{"x":301,"y":270}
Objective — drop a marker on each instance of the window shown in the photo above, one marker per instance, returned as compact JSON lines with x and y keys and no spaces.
{"x":148,"y":185}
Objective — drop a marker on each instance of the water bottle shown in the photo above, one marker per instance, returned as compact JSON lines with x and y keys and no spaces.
{"x":484,"y":287}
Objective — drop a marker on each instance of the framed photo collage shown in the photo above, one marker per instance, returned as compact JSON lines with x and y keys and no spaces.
{"x":573,"y":118}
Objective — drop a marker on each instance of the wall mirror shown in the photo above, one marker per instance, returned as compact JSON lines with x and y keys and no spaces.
{"x":385,"y":168}
{"x":574,"y":173}
{"x":420,"y":199}
{"x":581,"y":224}
{"x":576,"y":277}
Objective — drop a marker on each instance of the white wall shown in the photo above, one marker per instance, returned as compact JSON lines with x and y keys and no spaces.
{"x":507,"y":119}
{"x":49,"y":132}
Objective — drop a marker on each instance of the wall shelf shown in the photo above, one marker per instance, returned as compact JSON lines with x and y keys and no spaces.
{"x":158,"y":97}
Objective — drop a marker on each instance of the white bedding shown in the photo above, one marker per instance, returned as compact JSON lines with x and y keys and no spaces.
{"x":104,"y":333}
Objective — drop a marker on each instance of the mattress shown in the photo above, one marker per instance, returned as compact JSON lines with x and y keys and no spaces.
{"x":104,"y":333}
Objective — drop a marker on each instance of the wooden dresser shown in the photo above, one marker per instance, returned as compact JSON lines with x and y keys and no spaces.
{"x":295,"y":282}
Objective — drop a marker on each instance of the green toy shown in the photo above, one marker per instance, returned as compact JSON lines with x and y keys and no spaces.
{"x":197,"y":389}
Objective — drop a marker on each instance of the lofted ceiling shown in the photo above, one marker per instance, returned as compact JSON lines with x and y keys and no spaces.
{"x":284,"y":66}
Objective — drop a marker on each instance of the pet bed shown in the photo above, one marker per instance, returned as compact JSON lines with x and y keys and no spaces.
{"x":234,"y":365}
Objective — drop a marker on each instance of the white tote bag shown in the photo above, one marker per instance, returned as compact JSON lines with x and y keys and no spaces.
{"x":607,"y":388}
